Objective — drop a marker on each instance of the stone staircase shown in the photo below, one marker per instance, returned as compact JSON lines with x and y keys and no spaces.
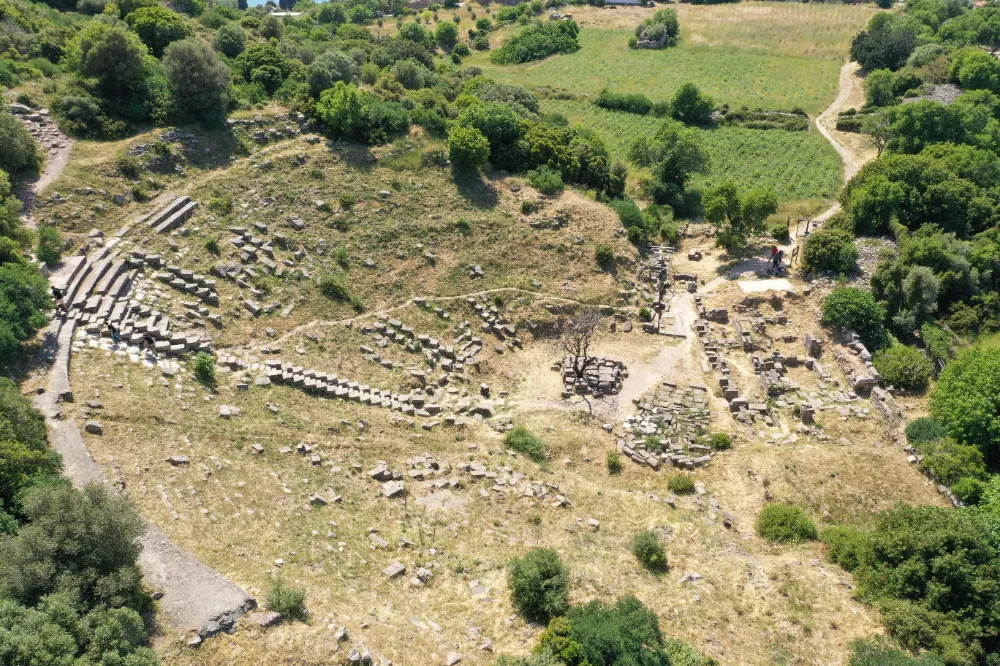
{"x":172,"y":215}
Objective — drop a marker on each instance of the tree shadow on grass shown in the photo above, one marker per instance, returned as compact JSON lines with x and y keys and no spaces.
{"x":475,"y":188}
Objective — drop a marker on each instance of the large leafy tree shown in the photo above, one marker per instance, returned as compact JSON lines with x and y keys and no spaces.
{"x":199,"y":80}
{"x":111,"y":55}
{"x":157,"y":27}
{"x":885,"y":43}
{"x":82,"y":542}
{"x":674,"y":154}
{"x":739,"y":215}
{"x":330,"y":67}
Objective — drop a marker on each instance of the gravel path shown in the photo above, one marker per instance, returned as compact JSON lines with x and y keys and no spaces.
{"x":193,"y":598}
{"x":196,"y":599}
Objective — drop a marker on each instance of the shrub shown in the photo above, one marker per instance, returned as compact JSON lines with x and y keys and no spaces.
{"x":938,"y":341}
{"x":523,"y":441}
{"x":538,"y":41}
{"x":467,"y":147}
{"x":289,"y":601}
{"x":649,"y":551}
{"x":878,"y":651}
{"x":604,"y":255}
{"x":969,"y":490}
{"x":333,"y":287}
{"x":950,"y":461}
{"x":614,"y":462}
{"x":721,"y":441}
{"x":785,"y":523}
{"x":620,"y":634}
{"x":545,"y":179}
{"x":539,"y":584}
{"x":212,"y":245}
{"x":129,"y":166}
{"x":853,"y":308}
{"x":204,"y":368}
{"x":830,"y":249}
{"x":49,"y":245}
{"x":628,"y":212}
{"x":24,"y":295}
{"x":779,"y":232}
{"x":23,"y":449}
{"x":19,"y":152}
{"x":681,"y":484}
{"x":844,"y":545}
{"x":690,"y":106}
{"x":965,"y":398}
{"x":636,"y":103}
{"x":19,"y":420}
{"x":924,"y":429}
{"x":904,"y":367}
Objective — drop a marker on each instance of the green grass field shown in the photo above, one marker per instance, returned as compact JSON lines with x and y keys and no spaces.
{"x":798,"y":165}
{"x":772,"y":55}
{"x":737,"y":78}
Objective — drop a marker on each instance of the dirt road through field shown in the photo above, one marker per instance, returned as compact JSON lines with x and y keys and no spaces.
{"x":848,"y":96}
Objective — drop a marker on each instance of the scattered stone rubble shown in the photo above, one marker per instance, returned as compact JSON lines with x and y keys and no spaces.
{"x":434,"y":475}
{"x":863,"y":379}
{"x":42,"y":126}
{"x":601,"y":377}
{"x":666,"y":428}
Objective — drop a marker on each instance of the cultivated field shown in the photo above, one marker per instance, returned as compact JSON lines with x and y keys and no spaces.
{"x":797,"y":165}
{"x":770,"y":55}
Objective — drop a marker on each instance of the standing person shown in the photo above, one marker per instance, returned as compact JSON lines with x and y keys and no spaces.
{"x":115,"y":337}
{"x":148,"y":341}
{"x":777,"y":261}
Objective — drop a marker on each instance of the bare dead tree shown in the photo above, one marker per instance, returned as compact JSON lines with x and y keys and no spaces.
{"x":576,"y":338}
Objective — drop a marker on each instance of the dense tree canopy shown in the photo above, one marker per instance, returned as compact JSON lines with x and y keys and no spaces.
{"x":885,"y":43}
{"x":199,"y":81}
{"x":157,"y":27}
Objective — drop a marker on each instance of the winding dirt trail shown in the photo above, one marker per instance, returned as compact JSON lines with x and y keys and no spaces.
{"x":850,"y":84}
{"x":58,"y":148}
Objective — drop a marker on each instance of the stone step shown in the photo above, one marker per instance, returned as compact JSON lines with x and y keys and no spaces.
{"x":86,"y":288}
{"x":164,"y":213}
{"x":177,"y":218}
{"x":81,"y":277}
{"x":105,"y":282}
{"x":120,"y":284}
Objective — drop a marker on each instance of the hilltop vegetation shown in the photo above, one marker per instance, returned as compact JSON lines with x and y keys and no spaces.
{"x":449,"y":166}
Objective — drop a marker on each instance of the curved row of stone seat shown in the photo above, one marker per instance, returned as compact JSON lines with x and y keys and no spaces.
{"x":416,"y":403}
